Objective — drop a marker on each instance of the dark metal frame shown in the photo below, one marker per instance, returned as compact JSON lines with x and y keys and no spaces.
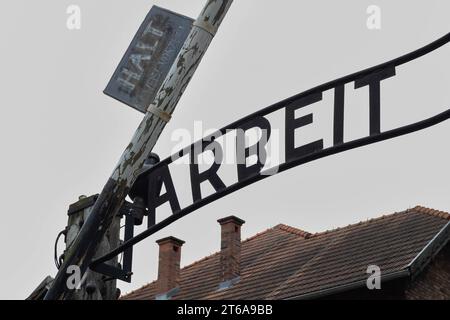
{"x":370,"y":77}
{"x":134,"y":214}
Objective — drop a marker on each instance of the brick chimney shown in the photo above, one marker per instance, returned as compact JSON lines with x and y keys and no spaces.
{"x":169,"y":265}
{"x":230,"y":253}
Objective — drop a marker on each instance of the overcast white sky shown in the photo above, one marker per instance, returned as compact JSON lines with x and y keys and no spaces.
{"x":61,"y":137}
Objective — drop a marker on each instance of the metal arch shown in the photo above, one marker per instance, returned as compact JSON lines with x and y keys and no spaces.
{"x":340,"y":147}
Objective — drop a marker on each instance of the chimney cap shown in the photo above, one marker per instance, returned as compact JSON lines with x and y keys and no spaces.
{"x":232,"y":219}
{"x":172,"y":240}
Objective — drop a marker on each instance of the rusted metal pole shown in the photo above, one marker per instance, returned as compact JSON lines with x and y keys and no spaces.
{"x":145,"y":138}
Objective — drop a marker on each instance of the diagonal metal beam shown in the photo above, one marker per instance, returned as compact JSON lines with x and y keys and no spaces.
{"x":145,"y":138}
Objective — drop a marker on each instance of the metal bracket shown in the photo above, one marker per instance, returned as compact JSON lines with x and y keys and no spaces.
{"x":164,"y":116}
{"x":125,"y":272}
{"x":134,"y":214}
{"x":113,"y":272}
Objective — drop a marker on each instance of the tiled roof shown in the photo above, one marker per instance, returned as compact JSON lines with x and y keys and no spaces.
{"x":285,"y":262}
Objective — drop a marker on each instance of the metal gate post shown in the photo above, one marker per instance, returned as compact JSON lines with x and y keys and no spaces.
{"x":145,"y":138}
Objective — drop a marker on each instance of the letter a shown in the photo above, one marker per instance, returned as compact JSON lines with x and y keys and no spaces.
{"x":74,"y":19}
{"x":374,"y":20}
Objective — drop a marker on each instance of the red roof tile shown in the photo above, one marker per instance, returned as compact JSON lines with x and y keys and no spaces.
{"x":285,"y":262}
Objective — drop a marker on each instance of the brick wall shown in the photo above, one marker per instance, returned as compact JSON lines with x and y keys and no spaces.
{"x":434,"y":282}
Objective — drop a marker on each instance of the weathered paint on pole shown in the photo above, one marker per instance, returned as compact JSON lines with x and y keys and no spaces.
{"x":93,"y":286}
{"x":145,"y":138}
